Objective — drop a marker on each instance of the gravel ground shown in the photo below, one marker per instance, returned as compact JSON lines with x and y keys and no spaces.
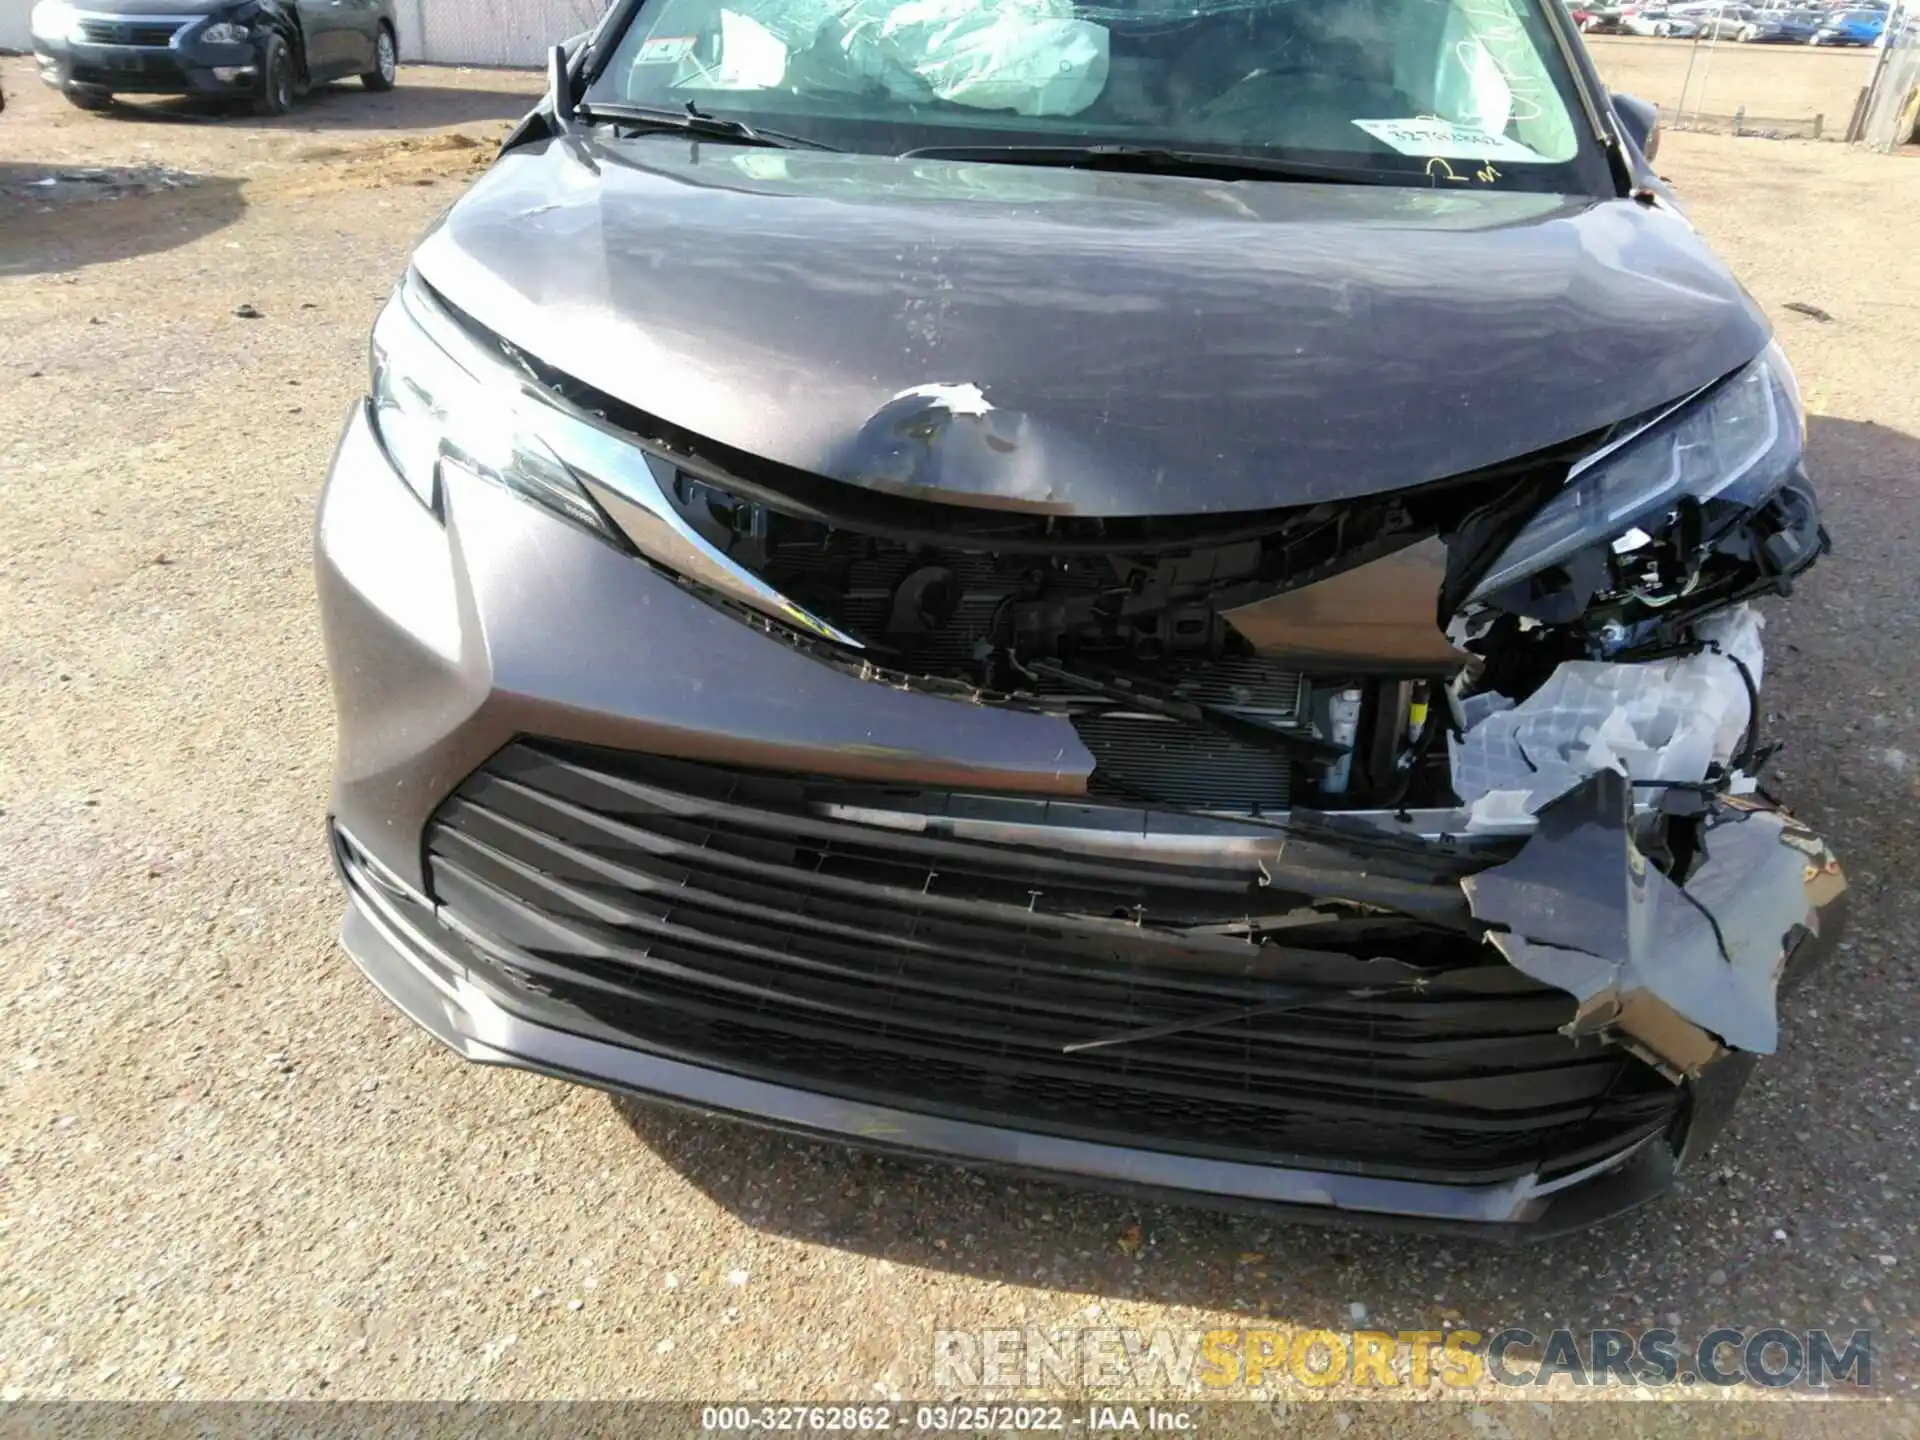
{"x":232,"y":1170}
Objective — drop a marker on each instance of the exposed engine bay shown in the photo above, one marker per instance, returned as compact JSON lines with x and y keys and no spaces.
{"x":1567,"y":612}
{"x":1127,"y":633}
{"x":1601,"y":710}
{"x":1251,"y":663}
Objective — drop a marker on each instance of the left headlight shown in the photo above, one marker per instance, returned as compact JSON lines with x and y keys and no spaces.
{"x":227,"y":32}
{"x":444,"y":398}
{"x":53,"y":20}
{"x":1737,"y":443}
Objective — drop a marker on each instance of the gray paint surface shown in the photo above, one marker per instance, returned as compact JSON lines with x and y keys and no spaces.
{"x":1149,"y":344}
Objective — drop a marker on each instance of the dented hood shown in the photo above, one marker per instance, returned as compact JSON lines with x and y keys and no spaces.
{"x":1081,"y":342}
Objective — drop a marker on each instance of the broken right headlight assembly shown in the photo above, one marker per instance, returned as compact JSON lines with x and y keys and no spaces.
{"x":1718,"y":456}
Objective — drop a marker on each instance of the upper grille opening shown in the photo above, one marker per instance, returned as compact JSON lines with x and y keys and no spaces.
{"x":1150,"y":624}
{"x":156,"y":35}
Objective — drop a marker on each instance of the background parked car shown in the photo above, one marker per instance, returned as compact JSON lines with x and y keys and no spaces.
{"x":1722,"y":22}
{"x":1851,"y":27}
{"x":264,"y":51}
{"x":1663,"y":23}
{"x":1774,"y":27}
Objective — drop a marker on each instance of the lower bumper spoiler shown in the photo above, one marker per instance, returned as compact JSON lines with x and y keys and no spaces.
{"x":159,"y":72}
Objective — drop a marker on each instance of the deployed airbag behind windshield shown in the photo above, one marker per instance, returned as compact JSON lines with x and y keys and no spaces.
{"x":1028,"y":56}
{"x":1031,"y":57}
{"x":1397,"y":82}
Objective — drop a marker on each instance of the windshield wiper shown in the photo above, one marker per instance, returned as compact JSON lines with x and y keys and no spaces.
{"x":1152,"y":160}
{"x":692,"y":122}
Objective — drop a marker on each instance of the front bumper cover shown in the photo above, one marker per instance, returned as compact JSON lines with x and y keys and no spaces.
{"x":397,"y":952}
{"x":185,"y":67}
{"x":448,"y":638}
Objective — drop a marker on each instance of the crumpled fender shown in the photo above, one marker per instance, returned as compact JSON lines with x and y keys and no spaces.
{"x":1680,"y":974}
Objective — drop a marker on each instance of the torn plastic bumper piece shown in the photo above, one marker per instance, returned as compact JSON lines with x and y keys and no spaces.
{"x":1677,"y":973}
{"x":1659,"y":721}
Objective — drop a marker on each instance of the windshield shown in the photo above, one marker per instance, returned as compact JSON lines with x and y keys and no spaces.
{"x":1449,"y":93}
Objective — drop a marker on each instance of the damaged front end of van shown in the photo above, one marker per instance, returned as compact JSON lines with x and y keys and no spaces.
{"x":1189,"y":686}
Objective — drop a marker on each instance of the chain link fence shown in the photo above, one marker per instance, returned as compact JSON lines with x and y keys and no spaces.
{"x":491,"y":32}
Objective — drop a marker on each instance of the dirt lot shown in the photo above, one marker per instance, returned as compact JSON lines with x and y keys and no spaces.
{"x":232,"y":1170}
{"x":1784,"y":82}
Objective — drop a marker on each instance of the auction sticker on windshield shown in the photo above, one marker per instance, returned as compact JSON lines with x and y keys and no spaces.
{"x":667,"y":49}
{"x":1444,"y":137}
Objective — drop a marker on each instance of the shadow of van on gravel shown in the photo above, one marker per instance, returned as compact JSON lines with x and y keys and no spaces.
{"x":61,"y":217}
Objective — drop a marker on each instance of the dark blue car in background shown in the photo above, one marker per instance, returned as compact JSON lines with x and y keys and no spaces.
{"x":265,"y":52}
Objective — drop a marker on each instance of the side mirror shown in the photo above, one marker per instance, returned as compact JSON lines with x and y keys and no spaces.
{"x":560,"y":86}
{"x":1641,"y":121}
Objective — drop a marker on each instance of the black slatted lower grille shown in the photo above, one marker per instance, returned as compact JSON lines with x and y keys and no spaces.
{"x":725,"y":917}
{"x":129,"y":32}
